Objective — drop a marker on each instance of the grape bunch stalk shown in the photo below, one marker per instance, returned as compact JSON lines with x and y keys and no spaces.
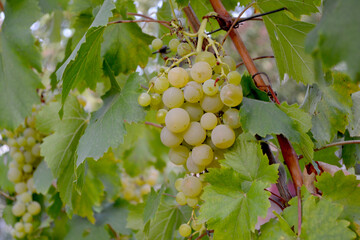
{"x":24,"y":145}
{"x":197,"y":96}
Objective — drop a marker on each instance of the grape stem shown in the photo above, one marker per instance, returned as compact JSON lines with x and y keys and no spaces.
{"x":207,"y":232}
{"x":169,"y":195}
{"x":257,"y":58}
{"x":154,"y":124}
{"x":140,"y":20}
{"x":147,"y":17}
{"x":5,"y":195}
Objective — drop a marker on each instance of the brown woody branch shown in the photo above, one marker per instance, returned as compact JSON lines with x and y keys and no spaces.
{"x":7,"y":196}
{"x":1,"y":7}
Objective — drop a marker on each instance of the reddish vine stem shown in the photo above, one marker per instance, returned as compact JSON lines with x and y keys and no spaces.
{"x":147,"y":17}
{"x":154,"y":124}
{"x":257,"y":58}
{"x":207,"y":232}
{"x":1,"y":7}
{"x":140,"y":20}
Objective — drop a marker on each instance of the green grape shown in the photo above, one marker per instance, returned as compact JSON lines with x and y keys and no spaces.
{"x":193,"y":92}
{"x":157,"y":44}
{"x":192,"y":202}
{"x":231,"y":117}
{"x":196,"y":226}
{"x":173,"y":44}
{"x":18,"y":209}
{"x":12,"y":142}
{"x":208,"y":121}
{"x":25,"y":197}
{"x":152,"y":84}
{"x":145,"y":189}
{"x":161,"y":84}
{"x":177,"y":120}
{"x":173,"y":97}
{"x":178,"y":77}
{"x":29,"y":158}
{"x":223,"y":136}
{"x":200,"y":72}
{"x":210,"y":88}
{"x":234,"y":77}
{"x":14,"y":175}
{"x":195,"y":134}
{"x":19,"y":227}
{"x":155,"y":99}
{"x":20,"y":187}
{"x":22,"y":141}
{"x":30,"y":185}
{"x":30,"y":141}
{"x":29,"y":132}
{"x":194,"y":110}
{"x":27,"y":218}
{"x":28,"y":227}
{"x":144,"y":99}
{"x":183,"y":49}
{"x":35,"y":150}
{"x":211,"y":104}
{"x":185,"y":230}
{"x":19,"y":157}
{"x":169,"y":138}
{"x":160,"y":115}
{"x":30,"y":121}
{"x":206,"y":57}
{"x":34,"y":208}
{"x":178,"y":155}
{"x":178,"y":183}
{"x":14,"y":164}
{"x":191,"y":186}
{"x":193,"y":167}
{"x":231,"y":95}
{"x":20,"y":234}
{"x":180,"y":198}
{"x":202,"y":155}
{"x":27,"y":168}
{"x":230,"y":62}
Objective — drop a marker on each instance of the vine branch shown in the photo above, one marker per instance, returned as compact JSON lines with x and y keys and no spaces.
{"x":5,"y":195}
{"x":140,"y":20}
{"x":154,"y":124}
{"x":257,"y":58}
{"x":149,"y":18}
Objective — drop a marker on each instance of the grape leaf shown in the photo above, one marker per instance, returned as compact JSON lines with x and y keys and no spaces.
{"x":350,"y":152}
{"x":277,"y":230}
{"x":250,"y":90}
{"x":328,"y":155}
{"x":232,"y":208}
{"x":43,"y":178}
{"x":18,"y":57}
{"x":84,"y":63}
{"x":152,"y":204}
{"x":343,"y":190}
{"x":182,"y":3}
{"x":45,"y":121}
{"x":118,"y":39}
{"x":5,"y":184}
{"x":246,"y":158}
{"x":354,"y":125}
{"x":107,"y":128}
{"x":287,"y":38}
{"x":59,"y":149}
{"x":48,"y":6}
{"x":80,"y":228}
{"x":55,"y":206}
{"x":7,"y":215}
{"x":337,"y":39}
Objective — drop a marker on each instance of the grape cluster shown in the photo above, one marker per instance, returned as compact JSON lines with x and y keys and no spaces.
{"x":24,"y":145}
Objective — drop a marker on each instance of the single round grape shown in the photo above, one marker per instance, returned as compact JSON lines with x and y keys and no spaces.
{"x":173,"y":44}
{"x":194,"y":110}
{"x":210,"y":88}
{"x":21,"y":141}
{"x":145,"y":189}
{"x":14,"y":164}
{"x":211,"y":104}
{"x":27,"y":168}
{"x":193,"y":92}
{"x":19,"y":157}
{"x":25,"y":197}
{"x":30,"y":185}
{"x":185,"y":230}
{"x":144,"y":99}
{"x":160,"y":115}
{"x":161,"y":84}
{"x":35,"y":150}
{"x":29,"y":158}
{"x":173,"y":97}
{"x":12,"y":142}
{"x":178,"y":183}
{"x":223,"y":136}
{"x":14,"y":175}
{"x":29,"y":132}
{"x":30,"y":141}
{"x":19,"y":226}
{"x":231,"y":95}
{"x":208,"y":121}
{"x":195,"y":134}
{"x":234,"y":77}
{"x":178,"y":77}
{"x":20,"y":187}
{"x":178,"y":155}
{"x":30,"y":121}
{"x":202,"y":155}
{"x":18,"y":209}
{"x":181,"y":198}
{"x":230,"y":62}
{"x":157,"y":44}
{"x":191,"y":186}
{"x":192,"y":202}
{"x":231,"y":117}
{"x":27,"y":218}
{"x":177,"y":120}
{"x":206,"y":57}
{"x":196,"y":225}
{"x":169,"y":138}
{"x":155,"y":99}
{"x":200,"y":72}
{"x":193,"y":167}
{"x":20,"y":234}
{"x":28,"y":227}
{"x":34,"y":208}
{"x":183,"y":49}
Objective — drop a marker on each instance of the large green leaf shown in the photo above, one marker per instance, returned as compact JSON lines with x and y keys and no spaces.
{"x":277,"y":230}
{"x":18,"y":57}
{"x":350,"y":152}
{"x":231,"y":207}
{"x":5,"y":184}
{"x":107,"y":127}
{"x":43,"y":178}
{"x":354,"y":125}
{"x":296,"y":8}
{"x":336,"y":39}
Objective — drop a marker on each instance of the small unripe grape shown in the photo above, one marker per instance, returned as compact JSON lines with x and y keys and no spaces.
{"x":195,"y":134}
{"x":210,"y":88}
{"x":196,"y":226}
{"x":35,"y":150}
{"x":145,"y":189}
{"x":13,"y":233}
{"x":157,"y":44}
{"x":161,"y":84}
{"x":27,"y":217}
{"x":30,"y":185}
{"x":18,"y":209}
{"x":183,"y":49}
{"x":177,"y":120}
{"x":28,"y":227}
{"x":202,"y":155}
{"x":20,"y":234}
{"x":208,"y":121}
{"x":231,"y":95}
{"x":178,"y":77}
{"x":193,"y":167}
{"x":185,"y":230}
{"x":173,"y":97}
{"x":19,"y":227}
{"x":231,"y":117}
{"x":178,"y":183}
{"x":13,"y":164}
{"x":27,"y":168}
{"x":19,"y":157}
{"x":211,"y":103}
{"x":234,"y":77}
{"x":173,"y":44}
{"x":160,"y":115}
{"x":178,"y":155}
{"x":144,"y":99}
{"x":20,"y":187}
{"x":30,"y":141}
{"x":21,"y":141}
{"x":14,"y":175}
{"x":206,"y":57}
{"x":25,"y":197}
{"x":195,"y":111}
{"x":201,"y":71}
{"x":29,"y":132}
{"x":34,"y":208}
{"x":192,"y":202}
{"x":155,"y":99}
{"x":181,"y":198}
{"x":191,"y":186}
{"x":12,"y":142}
{"x":30,"y":121}
{"x":193,"y":92}
{"x":169,"y":138}
{"x":223,"y":136}
{"x":29,"y":158}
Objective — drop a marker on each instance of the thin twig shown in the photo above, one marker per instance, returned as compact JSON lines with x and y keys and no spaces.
{"x":113,"y":232}
{"x":257,"y":58}
{"x":169,"y":195}
{"x":207,"y":232}
{"x":141,"y":20}
{"x":278,"y":204}
{"x":154,"y":124}
{"x":147,"y":17}
{"x":7,"y":196}
{"x":298,"y":193}
{"x":275,"y":194}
